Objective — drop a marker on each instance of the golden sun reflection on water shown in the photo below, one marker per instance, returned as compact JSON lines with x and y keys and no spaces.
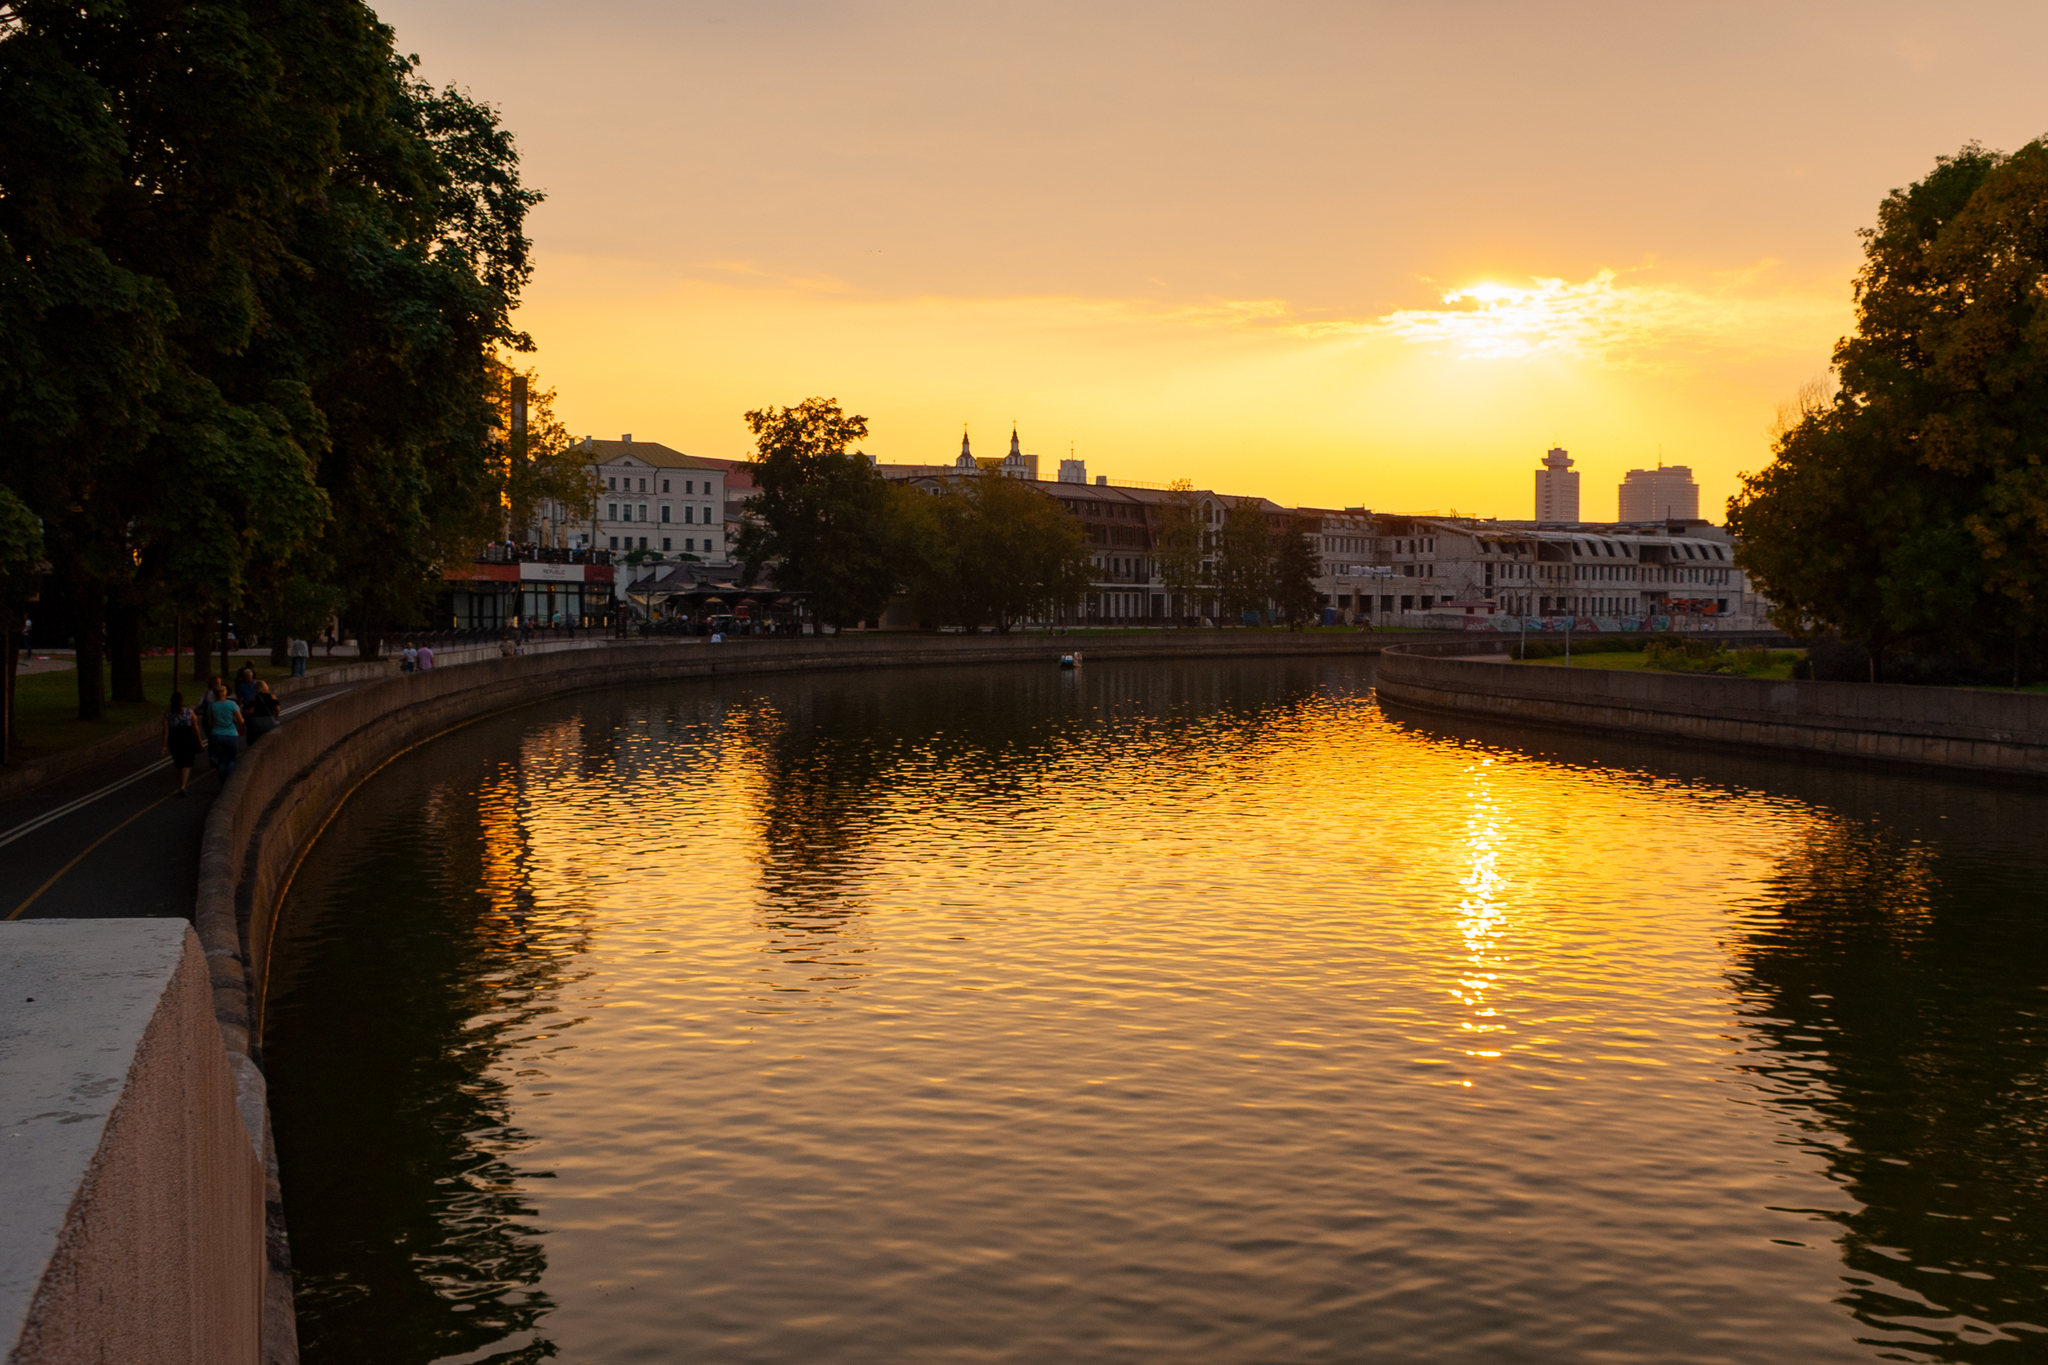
{"x":1196,"y":1012}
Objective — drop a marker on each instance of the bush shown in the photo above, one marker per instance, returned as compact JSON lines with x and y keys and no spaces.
{"x":1706,"y":656}
{"x":1597,"y":644}
{"x":1838,"y":661}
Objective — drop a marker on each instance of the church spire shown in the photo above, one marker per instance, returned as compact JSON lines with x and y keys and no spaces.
{"x":1015,"y":453}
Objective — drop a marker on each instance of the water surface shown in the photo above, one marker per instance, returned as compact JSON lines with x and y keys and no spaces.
{"x":1180,"y":1012}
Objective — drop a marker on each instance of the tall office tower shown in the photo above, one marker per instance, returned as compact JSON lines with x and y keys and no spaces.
{"x":1660,"y":494}
{"x":1557,"y":488}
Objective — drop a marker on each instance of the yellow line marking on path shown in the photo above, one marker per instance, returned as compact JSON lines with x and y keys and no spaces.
{"x":15,"y":913}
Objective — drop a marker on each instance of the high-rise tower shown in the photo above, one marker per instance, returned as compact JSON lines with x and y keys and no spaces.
{"x":1660,"y":494}
{"x":1557,"y":488}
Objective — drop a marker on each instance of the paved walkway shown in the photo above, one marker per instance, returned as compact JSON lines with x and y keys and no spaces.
{"x":112,"y":840}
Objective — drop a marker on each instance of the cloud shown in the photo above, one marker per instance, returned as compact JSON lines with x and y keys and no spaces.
{"x":1614,"y":323}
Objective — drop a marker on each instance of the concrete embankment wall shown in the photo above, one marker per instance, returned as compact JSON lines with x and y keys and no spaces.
{"x":290,"y":784}
{"x":1962,"y":731}
{"x":133,"y":1197}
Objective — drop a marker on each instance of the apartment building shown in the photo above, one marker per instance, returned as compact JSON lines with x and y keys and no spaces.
{"x":653,"y":498}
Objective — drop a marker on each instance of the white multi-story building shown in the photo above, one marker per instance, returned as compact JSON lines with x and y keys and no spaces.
{"x":1557,"y":488}
{"x":656,"y":499}
{"x":1620,"y":570}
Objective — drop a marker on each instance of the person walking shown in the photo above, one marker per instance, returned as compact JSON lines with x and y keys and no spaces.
{"x":410,"y":659}
{"x":263,"y":713}
{"x":425,"y":659}
{"x":223,"y":720}
{"x":245,"y":685}
{"x":299,"y":651}
{"x":181,"y":738}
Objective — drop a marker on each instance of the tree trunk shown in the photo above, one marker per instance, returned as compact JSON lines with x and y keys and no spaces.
{"x":10,"y":723}
{"x":227,"y":640}
{"x":278,"y":658}
{"x":124,"y":650}
{"x":202,"y":647}
{"x":88,"y":621}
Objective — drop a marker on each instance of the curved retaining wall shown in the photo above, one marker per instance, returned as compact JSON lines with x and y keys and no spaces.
{"x":283,"y":793}
{"x":1956,"y":730}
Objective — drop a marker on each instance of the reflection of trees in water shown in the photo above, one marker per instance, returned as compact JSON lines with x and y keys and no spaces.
{"x":1901,"y":987}
{"x":833,"y":758}
{"x":412,"y":960}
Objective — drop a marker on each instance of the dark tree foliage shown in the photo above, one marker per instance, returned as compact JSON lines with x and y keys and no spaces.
{"x":1911,"y":505}
{"x":1244,"y":561}
{"x":1296,"y":563}
{"x":251,"y":272}
{"x":991,"y":551}
{"x":412,"y":266}
{"x":825,"y":519}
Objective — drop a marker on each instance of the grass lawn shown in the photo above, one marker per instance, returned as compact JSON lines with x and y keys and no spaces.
{"x":48,"y":703}
{"x":1641,"y":662}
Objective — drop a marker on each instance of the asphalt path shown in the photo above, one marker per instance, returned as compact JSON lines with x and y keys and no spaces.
{"x":113,"y":841}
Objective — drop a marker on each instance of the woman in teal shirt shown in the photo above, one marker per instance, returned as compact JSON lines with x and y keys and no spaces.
{"x":223,"y":730}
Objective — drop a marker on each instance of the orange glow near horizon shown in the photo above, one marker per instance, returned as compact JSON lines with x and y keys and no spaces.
{"x":1290,"y":252}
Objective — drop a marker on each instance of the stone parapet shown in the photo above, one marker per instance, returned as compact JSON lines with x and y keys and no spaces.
{"x":133,"y":1198}
{"x":1959,"y":731}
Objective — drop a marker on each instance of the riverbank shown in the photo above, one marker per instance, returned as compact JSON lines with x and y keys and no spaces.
{"x":1950,"y":730}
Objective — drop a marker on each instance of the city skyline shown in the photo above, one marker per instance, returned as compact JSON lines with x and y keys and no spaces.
{"x":1358,"y":251}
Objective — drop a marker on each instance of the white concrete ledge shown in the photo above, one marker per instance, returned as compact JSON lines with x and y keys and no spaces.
{"x":131,"y":1209}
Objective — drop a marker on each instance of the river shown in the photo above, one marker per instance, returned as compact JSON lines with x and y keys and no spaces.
{"x":1191,"y":1012}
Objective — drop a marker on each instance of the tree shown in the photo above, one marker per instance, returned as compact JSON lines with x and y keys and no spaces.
{"x":413,"y":264}
{"x":541,"y":468}
{"x":21,"y":573}
{"x":1178,"y":546}
{"x":1912,"y":503}
{"x":1000,"y":552}
{"x":824,"y":522}
{"x":1244,"y":560}
{"x":1297,"y":562}
{"x":151,"y":158}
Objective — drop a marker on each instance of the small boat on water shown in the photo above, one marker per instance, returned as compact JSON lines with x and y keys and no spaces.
{"x":1072,"y":660}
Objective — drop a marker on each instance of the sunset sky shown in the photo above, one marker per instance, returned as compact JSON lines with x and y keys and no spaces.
{"x":1336,"y":254}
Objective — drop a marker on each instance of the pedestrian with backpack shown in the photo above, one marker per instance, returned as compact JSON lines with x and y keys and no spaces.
{"x":181,"y":738}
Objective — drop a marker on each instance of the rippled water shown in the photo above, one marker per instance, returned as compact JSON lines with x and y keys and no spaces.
{"x":1163,"y":1012}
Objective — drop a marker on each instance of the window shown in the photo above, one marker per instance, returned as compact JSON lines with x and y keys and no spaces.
{"x":615,"y":542}
{"x":611,"y":511}
{"x":691,"y":544}
{"x":612,"y":484}
{"x":664,"y":488}
{"x":690,"y":486}
{"x":707,"y":516}
{"x":643,"y":542}
{"x":643,"y":511}
{"x":689,"y":514}
{"x":664,"y":511}
{"x":643,"y":489}
{"x":664,"y":542}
